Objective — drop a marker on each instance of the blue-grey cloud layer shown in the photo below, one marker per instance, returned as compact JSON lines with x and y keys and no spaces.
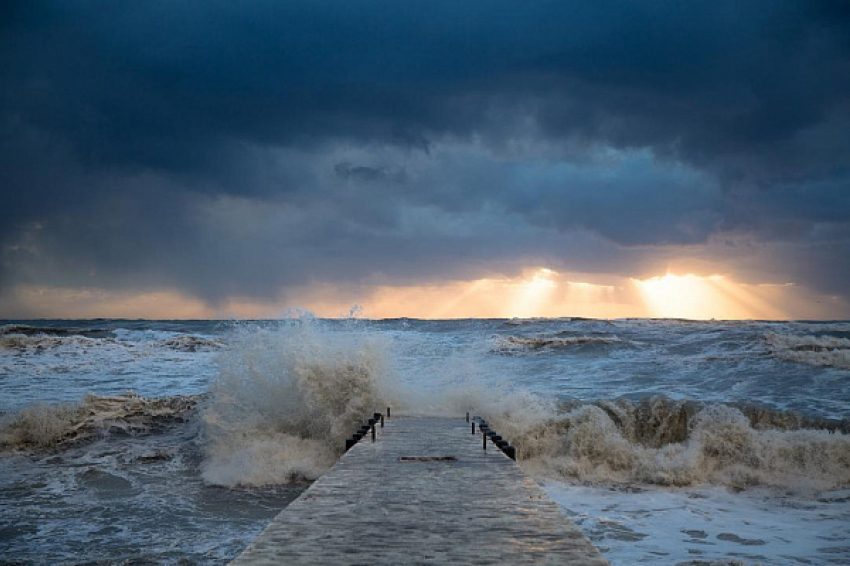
{"x":231,"y":148}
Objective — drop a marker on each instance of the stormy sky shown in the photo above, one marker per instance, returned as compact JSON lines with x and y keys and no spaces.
{"x":226,"y":151}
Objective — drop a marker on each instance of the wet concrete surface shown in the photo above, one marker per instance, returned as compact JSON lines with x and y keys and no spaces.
{"x":423,"y":493}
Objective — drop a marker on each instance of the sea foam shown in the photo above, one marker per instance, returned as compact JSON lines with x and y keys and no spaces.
{"x":810,"y":349}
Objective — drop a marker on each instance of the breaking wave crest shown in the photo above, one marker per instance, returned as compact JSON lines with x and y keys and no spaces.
{"x":32,"y":340}
{"x":25,"y":338}
{"x":34,"y":343}
{"x":562,"y":340}
{"x":680,"y":443}
{"x":189,"y":343}
{"x":44,"y":426}
{"x":27,"y":330}
{"x":809,"y":349}
{"x":286,"y":399}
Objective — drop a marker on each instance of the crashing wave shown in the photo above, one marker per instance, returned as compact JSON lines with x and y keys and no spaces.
{"x":810,"y":349}
{"x":681,"y":443}
{"x":284,"y":402}
{"x":44,"y":426}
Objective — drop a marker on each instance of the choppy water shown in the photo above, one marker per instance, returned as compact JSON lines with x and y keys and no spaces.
{"x":744,"y":456}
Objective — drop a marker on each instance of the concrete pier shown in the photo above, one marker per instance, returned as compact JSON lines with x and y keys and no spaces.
{"x":424,"y":492}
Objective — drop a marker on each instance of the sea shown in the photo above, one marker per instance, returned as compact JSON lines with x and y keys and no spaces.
{"x":140,"y":442}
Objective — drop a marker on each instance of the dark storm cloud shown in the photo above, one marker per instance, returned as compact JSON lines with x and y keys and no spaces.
{"x":371,"y":132}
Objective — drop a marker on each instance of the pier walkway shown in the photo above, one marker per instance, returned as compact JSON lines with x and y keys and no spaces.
{"x":424,"y":492}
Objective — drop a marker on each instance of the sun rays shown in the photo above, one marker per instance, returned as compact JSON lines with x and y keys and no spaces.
{"x":695,"y":297}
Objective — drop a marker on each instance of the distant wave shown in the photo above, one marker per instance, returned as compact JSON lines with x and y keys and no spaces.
{"x":35,"y":343}
{"x":679,"y":443}
{"x":809,"y":349}
{"x":526,"y":321}
{"x":42,"y":426}
{"x":190,"y":343}
{"x":684,"y":322}
{"x":33,"y":339}
{"x":26,"y":330}
{"x":27,"y":339}
{"x":520,"y":322}
{"x":561,"y":340}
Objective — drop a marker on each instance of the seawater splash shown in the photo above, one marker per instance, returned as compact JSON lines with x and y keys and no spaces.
{"x":286,"y":398}
{"x":679,"y":443}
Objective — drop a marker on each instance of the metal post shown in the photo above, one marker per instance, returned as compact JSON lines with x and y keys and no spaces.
{"x":373,"y":432}
{"x":388,"y":412}
{"x":382,"y":421}
{"x":473,"y":427}
{"x":484,"y":436}
{"x":467,"y":416}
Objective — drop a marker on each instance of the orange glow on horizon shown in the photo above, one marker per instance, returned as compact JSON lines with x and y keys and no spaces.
{"x":539,"y":292}
{"x":694,"y":297}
